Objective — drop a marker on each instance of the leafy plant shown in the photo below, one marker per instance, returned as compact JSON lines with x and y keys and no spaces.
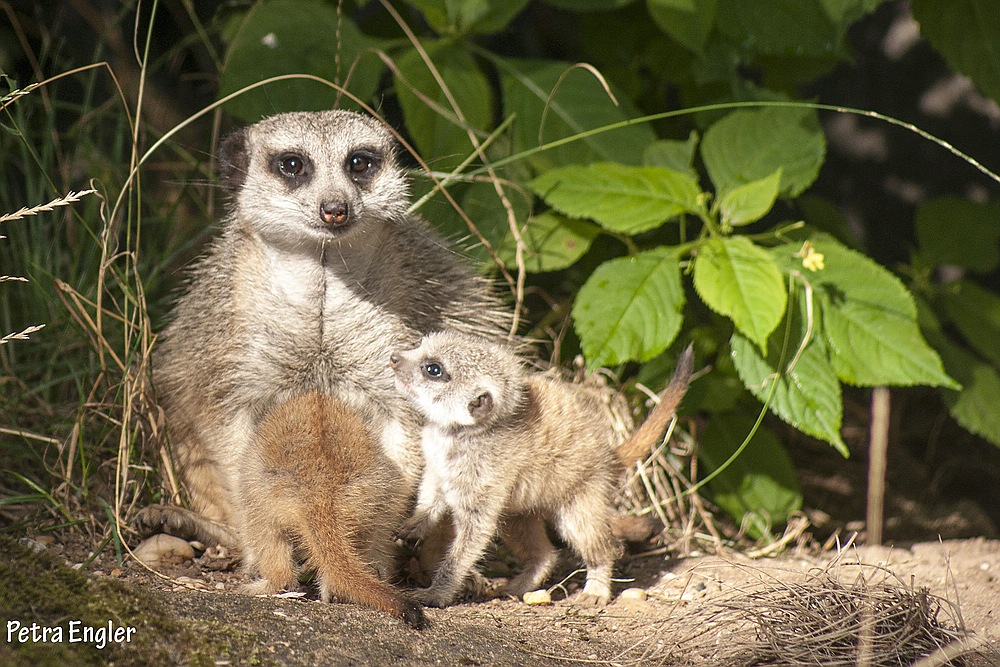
{"x":645,"y":230}
{"x":645,"y":187}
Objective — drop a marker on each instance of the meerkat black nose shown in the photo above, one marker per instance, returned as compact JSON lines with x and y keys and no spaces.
{"x":334,"y":213}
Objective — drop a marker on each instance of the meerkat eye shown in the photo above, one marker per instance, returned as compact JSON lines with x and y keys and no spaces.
{"x":433,"y":370}
{"x":358,"y":164}
{"x":291,"y":165}
{"x":362,"y":164}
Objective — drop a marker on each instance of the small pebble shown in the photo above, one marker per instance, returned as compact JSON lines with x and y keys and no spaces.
{"x":638,"y":594}
{"x":161,"y":549}
{"x":539,"y":597}
{"x":34,"y":545}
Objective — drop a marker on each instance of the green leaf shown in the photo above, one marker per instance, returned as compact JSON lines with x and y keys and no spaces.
{"x":747,"y":146}
{"x":630,"y":308}
{"x":469,"y":17}
{"x":976,"y":313}
{"x":869,"y":320}
{"x":621,"y":198}
{"x":975,"y":406}
{"x":737,"y":279}
{"x":589,"y":5}
{"x":960,"y":232}
{"x":295,"y":37}
{"x":579,"y":104}
{"x":437,"y":132}
{"x":808,"y":396}
{"x":687,"y":21}
{"x":967,"y":34}
{"x":751,"y":202}
{"x":799,"y":28}
{"x":552,"y":242}
{"x":672,"y":154}
{"x":761,"y":481}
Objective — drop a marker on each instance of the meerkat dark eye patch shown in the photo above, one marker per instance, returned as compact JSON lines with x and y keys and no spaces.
{"x":433,"y":370}
{"x":294,"y":167}
{"x":363,"y":163}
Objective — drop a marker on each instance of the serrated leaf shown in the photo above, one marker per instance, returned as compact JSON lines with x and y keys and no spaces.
{"x":959,"y":232}
{"x":966,"y":33}
{"x":437,"y":132}
{"x":870,"y":347}
{"x":672,"y":154}
{"x":630,"y":308}
{"x":869,"y":321}
{"x":687,"y":21}
{"x":976,"y":313}
{"x":294,"y":37}
{"x":580,"y":103}
{"x":761,"y":481}
{"x":738,"y":279}
{"x":808,"y":396}
{"x":552,"y":242}
{"x":589,"y":5}
{"x":974,"y":406}
{"x":782,"y":27}
{"x":747,"y":146}
{"x":469,"y":17}
{"x":625,"y":199}
{"x":751,"y":202}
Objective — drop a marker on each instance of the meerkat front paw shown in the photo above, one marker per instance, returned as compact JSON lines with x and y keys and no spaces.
{"x":261,"y":586}
{"x":432,"y":597}
{"x":182,"y":523}
{"x":414,"y":528}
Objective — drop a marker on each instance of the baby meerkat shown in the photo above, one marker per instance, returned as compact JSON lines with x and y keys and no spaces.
{"x":508,"y":449}
{"x":316,"y":485}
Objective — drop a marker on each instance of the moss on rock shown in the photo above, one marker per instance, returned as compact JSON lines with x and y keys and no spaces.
{"x":64,"y":617}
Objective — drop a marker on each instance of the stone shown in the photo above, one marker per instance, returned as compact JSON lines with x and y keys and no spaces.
{"x":163,"y":549}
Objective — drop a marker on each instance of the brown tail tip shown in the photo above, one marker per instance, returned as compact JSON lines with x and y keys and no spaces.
{"x":651,"y":430}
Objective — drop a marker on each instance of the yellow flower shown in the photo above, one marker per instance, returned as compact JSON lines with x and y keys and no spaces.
{"x":811,"y":259}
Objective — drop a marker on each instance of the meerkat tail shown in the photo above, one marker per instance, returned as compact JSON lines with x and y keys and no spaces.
{"x":651,"y":430}
{"x":341,"y":573}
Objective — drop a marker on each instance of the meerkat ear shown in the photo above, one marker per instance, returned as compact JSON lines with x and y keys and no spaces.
{"x":234,"y":160}
{"x":481,"y":405}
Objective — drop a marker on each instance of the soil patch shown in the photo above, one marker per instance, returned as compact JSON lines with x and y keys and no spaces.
{"x":699,"y":611}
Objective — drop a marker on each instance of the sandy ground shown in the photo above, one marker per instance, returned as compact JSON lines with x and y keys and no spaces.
{"x":696,"y":611}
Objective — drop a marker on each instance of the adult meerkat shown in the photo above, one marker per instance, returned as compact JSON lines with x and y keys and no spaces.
{"x":507,"y":448}
{"x":318,"y":272}
{"x":315,"y":484}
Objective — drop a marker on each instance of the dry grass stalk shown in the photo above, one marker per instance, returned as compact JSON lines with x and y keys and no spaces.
{"x":873,"y":619}
{"x":659,"y":486}
{"x":25,"y":211}
{"x":21,"y":335}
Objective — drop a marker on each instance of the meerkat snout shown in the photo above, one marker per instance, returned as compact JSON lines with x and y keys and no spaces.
{"x":335,"y":213}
